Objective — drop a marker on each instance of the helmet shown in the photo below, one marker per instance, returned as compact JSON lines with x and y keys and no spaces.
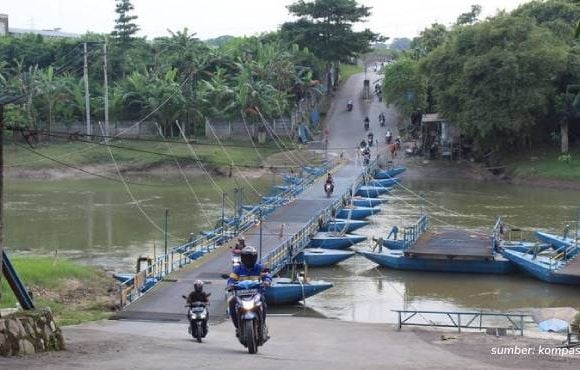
{"x":198,"y":286}
{"x":241,"y":239}
{"x":249,"y":257}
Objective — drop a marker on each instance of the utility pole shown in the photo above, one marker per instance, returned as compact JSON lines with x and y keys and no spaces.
{"x":165,"y":232}
{"x":261,"y":218}
{"x":106,"y":88}
{"x":87,"y":100}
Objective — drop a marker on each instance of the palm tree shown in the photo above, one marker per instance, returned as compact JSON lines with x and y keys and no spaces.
{"x":51,"y":90}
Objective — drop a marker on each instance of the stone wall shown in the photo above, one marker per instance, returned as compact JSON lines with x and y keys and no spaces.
{"x":27,"y":332}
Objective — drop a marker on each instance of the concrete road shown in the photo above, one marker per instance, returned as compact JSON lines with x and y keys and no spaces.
{"x":297,"y":343}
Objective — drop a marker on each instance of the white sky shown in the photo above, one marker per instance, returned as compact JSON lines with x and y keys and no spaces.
{"x":212,"y":18}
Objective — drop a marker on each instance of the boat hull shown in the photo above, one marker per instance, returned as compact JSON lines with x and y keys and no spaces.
{"x":332,"y":241}
{"x":357,"y":213}
{"x":366,"y":202}
{"x":371,"y":191}
{"x":319,"y":257}
{"x":343,"y":226}
{"x":539,"y":268}
{"x":397,"y":260}
{"x":383,"y":182}
{"x":387,"y":174}
{"x":393,"y":244}
{"x":289,"y":292}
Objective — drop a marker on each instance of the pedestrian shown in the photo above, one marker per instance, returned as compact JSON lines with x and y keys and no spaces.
{"x":566,"y":230}
{"x":393,"y":150}
{"x":394,"y":232}
{"x":377,"y":244}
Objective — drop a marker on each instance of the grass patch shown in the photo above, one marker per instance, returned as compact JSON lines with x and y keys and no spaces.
{"x":546,"y":164}
{"x":347,"y":70}
{"x":140,"y":154}
{"x":75,"y":293}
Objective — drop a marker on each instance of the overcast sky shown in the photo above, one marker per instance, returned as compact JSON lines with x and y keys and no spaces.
{"x":212,"y":18}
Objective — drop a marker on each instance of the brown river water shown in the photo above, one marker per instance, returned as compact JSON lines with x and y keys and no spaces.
{"x":98,"y":222}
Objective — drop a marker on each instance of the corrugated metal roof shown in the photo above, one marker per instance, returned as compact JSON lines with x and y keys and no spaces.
{"x":47,"y":33}
{"x":432,"y":117}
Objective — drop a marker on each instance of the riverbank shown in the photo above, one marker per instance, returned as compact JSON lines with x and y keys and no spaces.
{"x":296,"y":342}
{"x":74,"y":293}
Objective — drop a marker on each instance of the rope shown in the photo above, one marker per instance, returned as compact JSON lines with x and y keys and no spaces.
{"x":232,"y":161}
{"x":200,"y":164}
{"x":137,"y":203}
{"x":202,"y":208}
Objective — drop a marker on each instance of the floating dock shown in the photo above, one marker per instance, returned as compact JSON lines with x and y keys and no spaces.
{"x":452,"y":243}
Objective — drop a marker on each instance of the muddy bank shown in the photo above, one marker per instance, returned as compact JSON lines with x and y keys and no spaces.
{"x":450,"y":170}
{"x":109,"y":170}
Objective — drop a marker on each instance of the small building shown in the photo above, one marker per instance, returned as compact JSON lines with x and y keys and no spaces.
{"x":440,"y":137}
{"x":5,"y":30}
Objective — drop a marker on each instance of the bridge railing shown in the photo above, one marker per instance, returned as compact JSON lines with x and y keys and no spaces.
{"x":412,"y":233}
{"x":287,"y":250}
{"x":460,"y":320}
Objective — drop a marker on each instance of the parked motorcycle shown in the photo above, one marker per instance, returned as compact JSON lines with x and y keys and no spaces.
{"x":198,"y":316}
{"x":250,"y":314}
{"x":328,"y":189}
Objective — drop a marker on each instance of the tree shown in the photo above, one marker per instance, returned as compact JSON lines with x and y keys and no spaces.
{"x":429,"y":39}
{"x":404,"y":86}
{"x":125,"y":28}
{"x":469,"y":17}
{"x":325,"y":27}
{"x":400,"y":44}
{"x":496,"y":79}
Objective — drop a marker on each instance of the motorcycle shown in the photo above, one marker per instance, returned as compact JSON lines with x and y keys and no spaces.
{"x":197,"y":315}
{"x":366,"y":125}
{"x":328,"y":189}
{"x":250,"y":314}
{"x":236,"y":260}
{"x":370,"y":139}
{"x":366,"y":157}
{"x":388,"y":137}
{"x":349,"y":106}
{"x":382,"y":120}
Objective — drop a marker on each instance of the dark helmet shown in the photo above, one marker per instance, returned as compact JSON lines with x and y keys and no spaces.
{"x":198,"y":286}
{"x":249,"y":257}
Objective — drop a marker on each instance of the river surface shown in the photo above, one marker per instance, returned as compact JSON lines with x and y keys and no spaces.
{"x":100,"y":223}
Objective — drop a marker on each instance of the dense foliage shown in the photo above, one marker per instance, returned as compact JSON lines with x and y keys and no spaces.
{"x":502,"y":80}
{"x":177,"y":77}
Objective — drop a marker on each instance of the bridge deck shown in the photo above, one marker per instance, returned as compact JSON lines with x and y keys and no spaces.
{"x":164,"y":302}
{"x":451,"y":243}
{"x":572,"y":268}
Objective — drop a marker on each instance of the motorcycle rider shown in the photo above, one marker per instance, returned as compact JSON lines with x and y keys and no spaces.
{"x":198,"y":295}
{"x":382,"y":119}
{"x":330,"y":180}
{"x":240,"y":245}
{"x":366,"y":155}
{"x":389,"y":136}
{"x":367,"y":122}
{"x":349,"y":104}
{"x":249,"y":269}
{"x":370,"y":138}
